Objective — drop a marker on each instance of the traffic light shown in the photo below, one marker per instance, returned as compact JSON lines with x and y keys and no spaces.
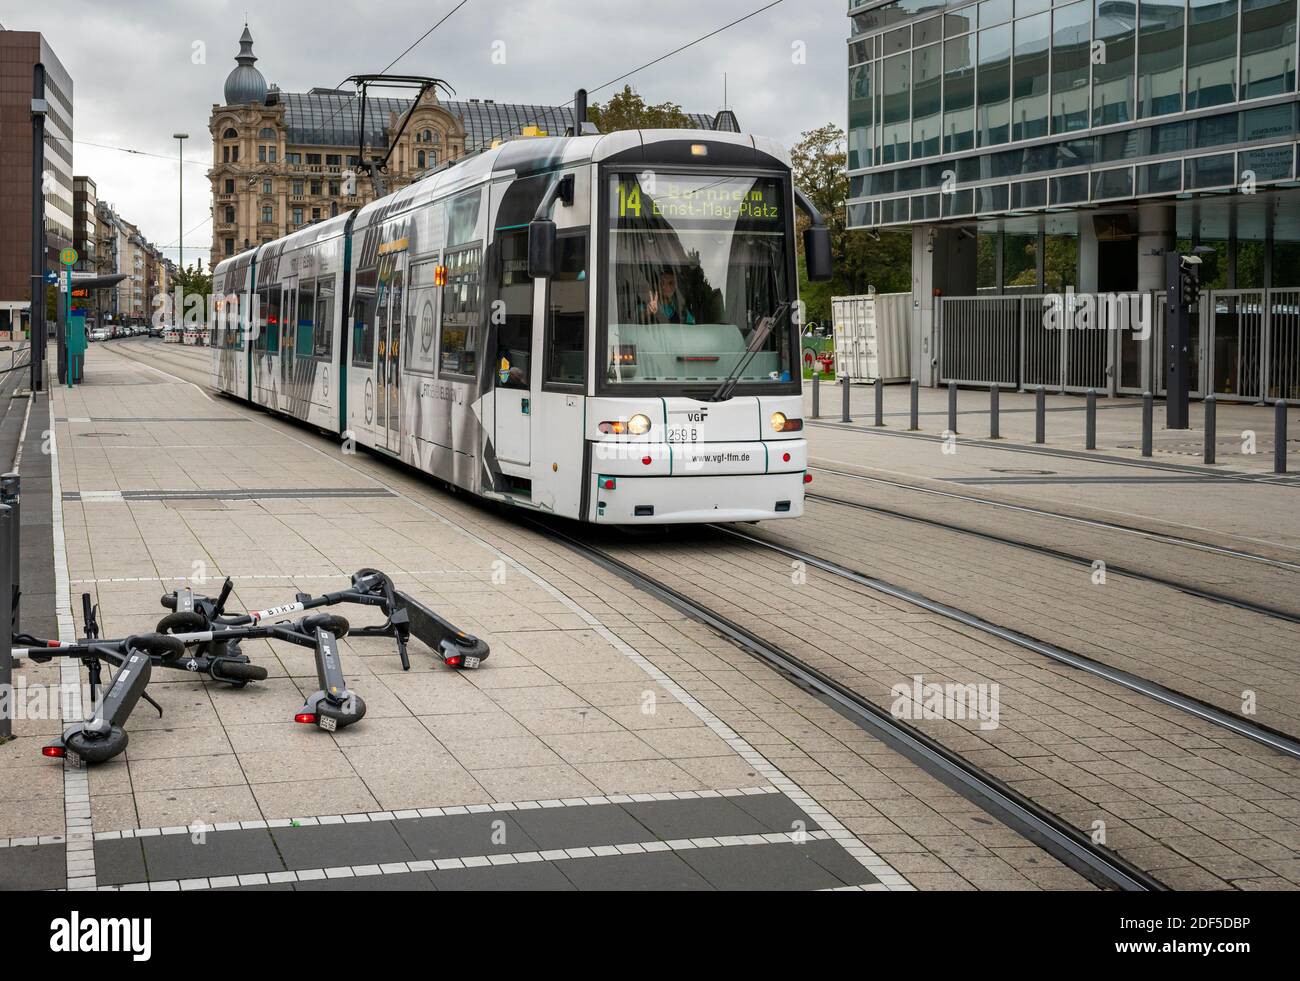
{"x":1189,"y":280}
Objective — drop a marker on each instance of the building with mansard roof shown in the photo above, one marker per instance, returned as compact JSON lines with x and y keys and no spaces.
{"x":284,"y":159}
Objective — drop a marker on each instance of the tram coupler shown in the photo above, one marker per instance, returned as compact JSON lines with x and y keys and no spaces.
{"x":334,"y":707}
{"x":103,"y":736}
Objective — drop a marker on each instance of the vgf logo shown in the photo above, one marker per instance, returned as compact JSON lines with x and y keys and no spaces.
{"x":697,"y":415}
{"x":93,"y":935}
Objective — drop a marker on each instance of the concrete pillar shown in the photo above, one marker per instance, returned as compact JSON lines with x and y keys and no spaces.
{"x":1157,"y":231}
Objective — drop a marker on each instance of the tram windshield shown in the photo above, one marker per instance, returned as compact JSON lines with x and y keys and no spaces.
{"x":699,"y":290}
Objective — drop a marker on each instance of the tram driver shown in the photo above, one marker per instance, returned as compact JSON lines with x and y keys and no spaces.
{"x":664,"y":304}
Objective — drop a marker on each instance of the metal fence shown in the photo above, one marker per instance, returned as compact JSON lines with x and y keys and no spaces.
{"x":1246,"y":346}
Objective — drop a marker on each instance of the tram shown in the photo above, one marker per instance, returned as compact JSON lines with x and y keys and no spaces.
{"x":602,"y":327}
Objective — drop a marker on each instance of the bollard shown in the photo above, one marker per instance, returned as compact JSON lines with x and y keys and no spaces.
{"x":916,"y":406}
{"x":844,"y":413}
{"x":880,"y":401}
{"x":952,"y":407}
{"x":1211,"y":425}
{"x":1090,"y":424}
{"x":994,"y":395}
{"x":6,"y":637}
{"x":1148,"y":413}
{"x":1040,"y":415}
{"x":10,"y":486}
{"x":817,"y":395}
{"x":1279,"y":437}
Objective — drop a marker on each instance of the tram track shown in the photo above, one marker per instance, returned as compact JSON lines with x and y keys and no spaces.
{"x":1098,"y":863}
{"x":1190,"y":589}
{"x":1274,"y":739}
{"x":1115,"y":526}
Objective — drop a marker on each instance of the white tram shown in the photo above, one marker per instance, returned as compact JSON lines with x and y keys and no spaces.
{"x":600,"y":327}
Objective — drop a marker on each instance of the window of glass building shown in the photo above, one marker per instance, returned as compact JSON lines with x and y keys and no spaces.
{"x":1020,"y":262}
{"x":994,"y":12}
{"x":959,"y":94}
{"x":986,"y":260}
{"x":1030,"y":77}
{"x":860,"y":117}
{"x":1112,"y":78}
{"x":1071,"y":51}
{"x":896,"y":108}
{"x":927,"y":81}
{"x":1268,"y":32}
{"x":993,"y":87}
{"x":1160,"y":58}
{"x":1060,"y":262}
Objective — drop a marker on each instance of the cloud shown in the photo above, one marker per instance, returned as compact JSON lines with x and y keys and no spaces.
{"x":135,"y":80}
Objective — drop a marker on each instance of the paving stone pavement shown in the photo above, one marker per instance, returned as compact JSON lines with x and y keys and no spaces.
{"x":560,"y":712}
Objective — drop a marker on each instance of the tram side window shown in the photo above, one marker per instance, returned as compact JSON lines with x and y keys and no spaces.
{"x":363,"y":318}
{"x":566,"y":347}
{"x":515,"y":334}
{"x":458,"y":351}
{"x":305,"y":322}
{"x":323,"y":346}
{"x":268,"y":334}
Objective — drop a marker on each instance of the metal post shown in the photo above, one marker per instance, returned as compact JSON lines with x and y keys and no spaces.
{"x":1211,"y":426}
{"x":1090,"y":441}
{"x":1148,"y":413}
{"x":880,"y":401}
{"x":916,"y":406}
{"x":994,"y":395}
{"x":37,"y":353}
{"x":952,"y":407}
{"x":1040,"y":415}
{"x":844,"y":413}
{"x":6,"y":639}
{"x":1279,"y":436}
{"x":817,"y":394}
{"x":10,"y":486}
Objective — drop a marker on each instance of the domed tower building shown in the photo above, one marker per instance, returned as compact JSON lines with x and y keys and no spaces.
{"x":281,"y":160}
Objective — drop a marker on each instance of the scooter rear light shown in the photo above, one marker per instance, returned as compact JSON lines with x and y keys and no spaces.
{"x":454,"y":661}
{"x":306,"y":718}
{"x":807,"y":478}
{"x":54,"y":752}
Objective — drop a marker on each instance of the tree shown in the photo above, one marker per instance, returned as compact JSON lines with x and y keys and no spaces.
{"x":627,"y":110}
{"x":193,"y":281}
{"x":820,"y":164}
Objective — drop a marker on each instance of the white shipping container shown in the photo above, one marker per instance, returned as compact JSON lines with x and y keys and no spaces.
{"x":871,"y":336}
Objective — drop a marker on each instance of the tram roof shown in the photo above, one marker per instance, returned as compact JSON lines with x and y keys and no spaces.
{"x":533,"y":155}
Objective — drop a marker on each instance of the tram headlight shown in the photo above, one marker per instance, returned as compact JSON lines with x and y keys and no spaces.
{"x":638,"y":425}
{"x":781,"y":424}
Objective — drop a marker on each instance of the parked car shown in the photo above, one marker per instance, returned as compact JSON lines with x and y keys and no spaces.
{"x":99,"y":334}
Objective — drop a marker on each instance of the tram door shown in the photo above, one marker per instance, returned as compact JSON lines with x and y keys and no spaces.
{"x":388,"y":350}
{"x":512,"y":375}
{"x":288,"y":336}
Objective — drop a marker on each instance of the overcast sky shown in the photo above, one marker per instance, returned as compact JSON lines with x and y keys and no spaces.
{"x":136,"y":80}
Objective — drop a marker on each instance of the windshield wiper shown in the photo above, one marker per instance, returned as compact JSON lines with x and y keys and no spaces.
{"x":756,"y":340}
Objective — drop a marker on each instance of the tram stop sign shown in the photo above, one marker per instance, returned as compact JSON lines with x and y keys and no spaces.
{"x":68,"y":257}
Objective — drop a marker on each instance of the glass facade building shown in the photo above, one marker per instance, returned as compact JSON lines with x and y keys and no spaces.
{"x":1034,"y":145}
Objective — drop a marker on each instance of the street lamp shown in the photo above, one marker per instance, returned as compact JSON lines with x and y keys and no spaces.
{"x":180,"y":139}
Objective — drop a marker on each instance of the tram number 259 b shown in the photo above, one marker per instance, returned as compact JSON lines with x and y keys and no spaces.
{"x":683,"y":434}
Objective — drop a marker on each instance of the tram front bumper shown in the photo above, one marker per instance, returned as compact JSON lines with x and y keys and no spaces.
{"x":686,"y":499}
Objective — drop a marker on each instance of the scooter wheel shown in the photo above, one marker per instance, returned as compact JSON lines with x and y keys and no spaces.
{"x":183,"y":622}
{"x":331,"y":622}
{"x":236,"y":672}
{"x":162,"y":646}
{"x":97,"y":749}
